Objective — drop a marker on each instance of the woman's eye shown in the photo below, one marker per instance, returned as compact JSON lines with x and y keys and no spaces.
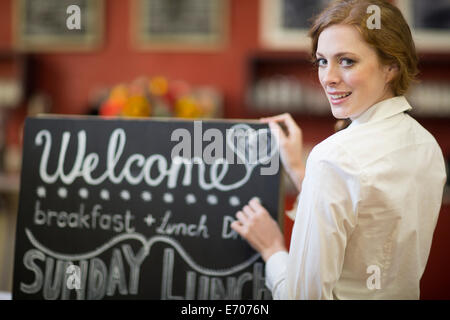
{"x":321,"y":62}
{"x":347,"y":62}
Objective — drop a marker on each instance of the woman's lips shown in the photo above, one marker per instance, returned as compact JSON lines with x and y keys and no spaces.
{"x":339,"y":97}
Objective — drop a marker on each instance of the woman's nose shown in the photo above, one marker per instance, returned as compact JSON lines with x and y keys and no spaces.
{"x":330,"y":76}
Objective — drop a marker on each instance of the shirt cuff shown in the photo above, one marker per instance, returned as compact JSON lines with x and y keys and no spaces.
{"x":276,"y":269}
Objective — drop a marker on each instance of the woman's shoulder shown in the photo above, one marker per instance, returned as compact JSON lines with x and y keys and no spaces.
{"x":367,"y":145}
{"x":334,"y":151}
{"x":332,"y":148}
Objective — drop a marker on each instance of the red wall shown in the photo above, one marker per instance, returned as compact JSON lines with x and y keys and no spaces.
{"x":70,"y":79}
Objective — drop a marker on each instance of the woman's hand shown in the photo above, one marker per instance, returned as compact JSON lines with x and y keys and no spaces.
{"x":261,"y":231}
{"x":291,"y":145}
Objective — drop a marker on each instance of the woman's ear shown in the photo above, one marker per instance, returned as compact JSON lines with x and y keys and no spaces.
{"x":391,"y":72}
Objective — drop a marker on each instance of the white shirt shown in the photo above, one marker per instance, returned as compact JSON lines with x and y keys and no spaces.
{"x":366,"y":215}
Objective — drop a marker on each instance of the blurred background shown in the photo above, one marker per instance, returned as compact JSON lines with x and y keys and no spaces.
{"x":233,"y":59}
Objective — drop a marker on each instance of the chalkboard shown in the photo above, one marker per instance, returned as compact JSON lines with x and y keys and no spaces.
{"x":141,"y":209}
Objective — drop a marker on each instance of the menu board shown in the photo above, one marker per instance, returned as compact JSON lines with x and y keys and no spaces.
{"x":141,"y":209}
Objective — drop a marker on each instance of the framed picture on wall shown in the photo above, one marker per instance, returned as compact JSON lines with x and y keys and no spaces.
{"x":429,"y":22}
{"x":55,"y":25}
{"x":284,"y":24}
{"x":179,"y":24}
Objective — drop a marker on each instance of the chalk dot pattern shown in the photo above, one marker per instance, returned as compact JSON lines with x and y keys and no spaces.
{"x":62,"y":192}
{"x":145,"y":196}
{"x":41,"y":192}
{"x":234,"y":201}
{"x":83,"y":193}
{"x":104,"y":194}
{"x":125,"y":195}
{"x":212,"y":199}
{"x":190,"y":198}
{"x":168,"y":197}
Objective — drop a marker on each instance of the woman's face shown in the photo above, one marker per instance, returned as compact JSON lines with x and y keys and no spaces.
{"x":350,"y":71}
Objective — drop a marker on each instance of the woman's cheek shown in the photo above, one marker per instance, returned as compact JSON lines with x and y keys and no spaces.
{"x":320,"y":75}
{"x":354,"y":79}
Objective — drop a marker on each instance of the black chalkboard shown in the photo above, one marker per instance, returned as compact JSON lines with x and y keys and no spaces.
{"x":110,"y":210}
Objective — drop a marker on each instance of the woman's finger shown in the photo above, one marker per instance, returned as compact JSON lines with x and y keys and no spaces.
{"x":256,"y":206}
{"x":280,"y":117}
{"x":238,"y":227}
{"x":285,"y":124}
{"x":277,"y":131}
{"x":242,"y":218}
{"x":285,"y":118}
{"x":248,"y":211}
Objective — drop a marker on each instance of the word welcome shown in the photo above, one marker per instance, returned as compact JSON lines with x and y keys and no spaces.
{"x":137,"y":167}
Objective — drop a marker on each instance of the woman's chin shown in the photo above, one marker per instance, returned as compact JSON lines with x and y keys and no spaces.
{"x":339,"y":113}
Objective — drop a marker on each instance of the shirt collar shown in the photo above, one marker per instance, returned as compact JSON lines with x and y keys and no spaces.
{"x":383,"y":110}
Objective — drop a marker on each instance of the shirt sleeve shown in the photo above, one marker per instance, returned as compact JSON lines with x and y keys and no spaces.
{"x":325,"y":219}
{"x":276,"y":274}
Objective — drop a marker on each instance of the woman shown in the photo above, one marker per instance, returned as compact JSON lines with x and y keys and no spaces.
{"x":370,"y":194}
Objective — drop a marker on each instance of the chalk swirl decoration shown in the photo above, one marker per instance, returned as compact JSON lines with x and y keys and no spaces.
{"x":147,"y":244}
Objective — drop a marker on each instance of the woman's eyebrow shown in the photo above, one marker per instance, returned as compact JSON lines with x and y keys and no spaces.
{"x":339,"y":54}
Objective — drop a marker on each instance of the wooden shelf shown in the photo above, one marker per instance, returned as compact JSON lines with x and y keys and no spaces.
{"x":266,"y":70}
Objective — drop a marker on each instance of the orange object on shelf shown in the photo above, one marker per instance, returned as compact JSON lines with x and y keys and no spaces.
{"x":137,"y":106}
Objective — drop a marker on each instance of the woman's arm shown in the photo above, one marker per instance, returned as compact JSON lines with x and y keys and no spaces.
{"x":255,"y":224}
{"x":325,"y":219}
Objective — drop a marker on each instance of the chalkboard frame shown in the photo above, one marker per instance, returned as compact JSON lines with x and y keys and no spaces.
{"x":145,"y":40}
{"x":90,"y":40}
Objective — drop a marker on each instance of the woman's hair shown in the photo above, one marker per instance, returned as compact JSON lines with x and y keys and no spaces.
{"x":392,"y":41}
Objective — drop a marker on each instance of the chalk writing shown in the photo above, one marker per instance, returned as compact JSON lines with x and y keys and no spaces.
{"x":84,"y":165}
